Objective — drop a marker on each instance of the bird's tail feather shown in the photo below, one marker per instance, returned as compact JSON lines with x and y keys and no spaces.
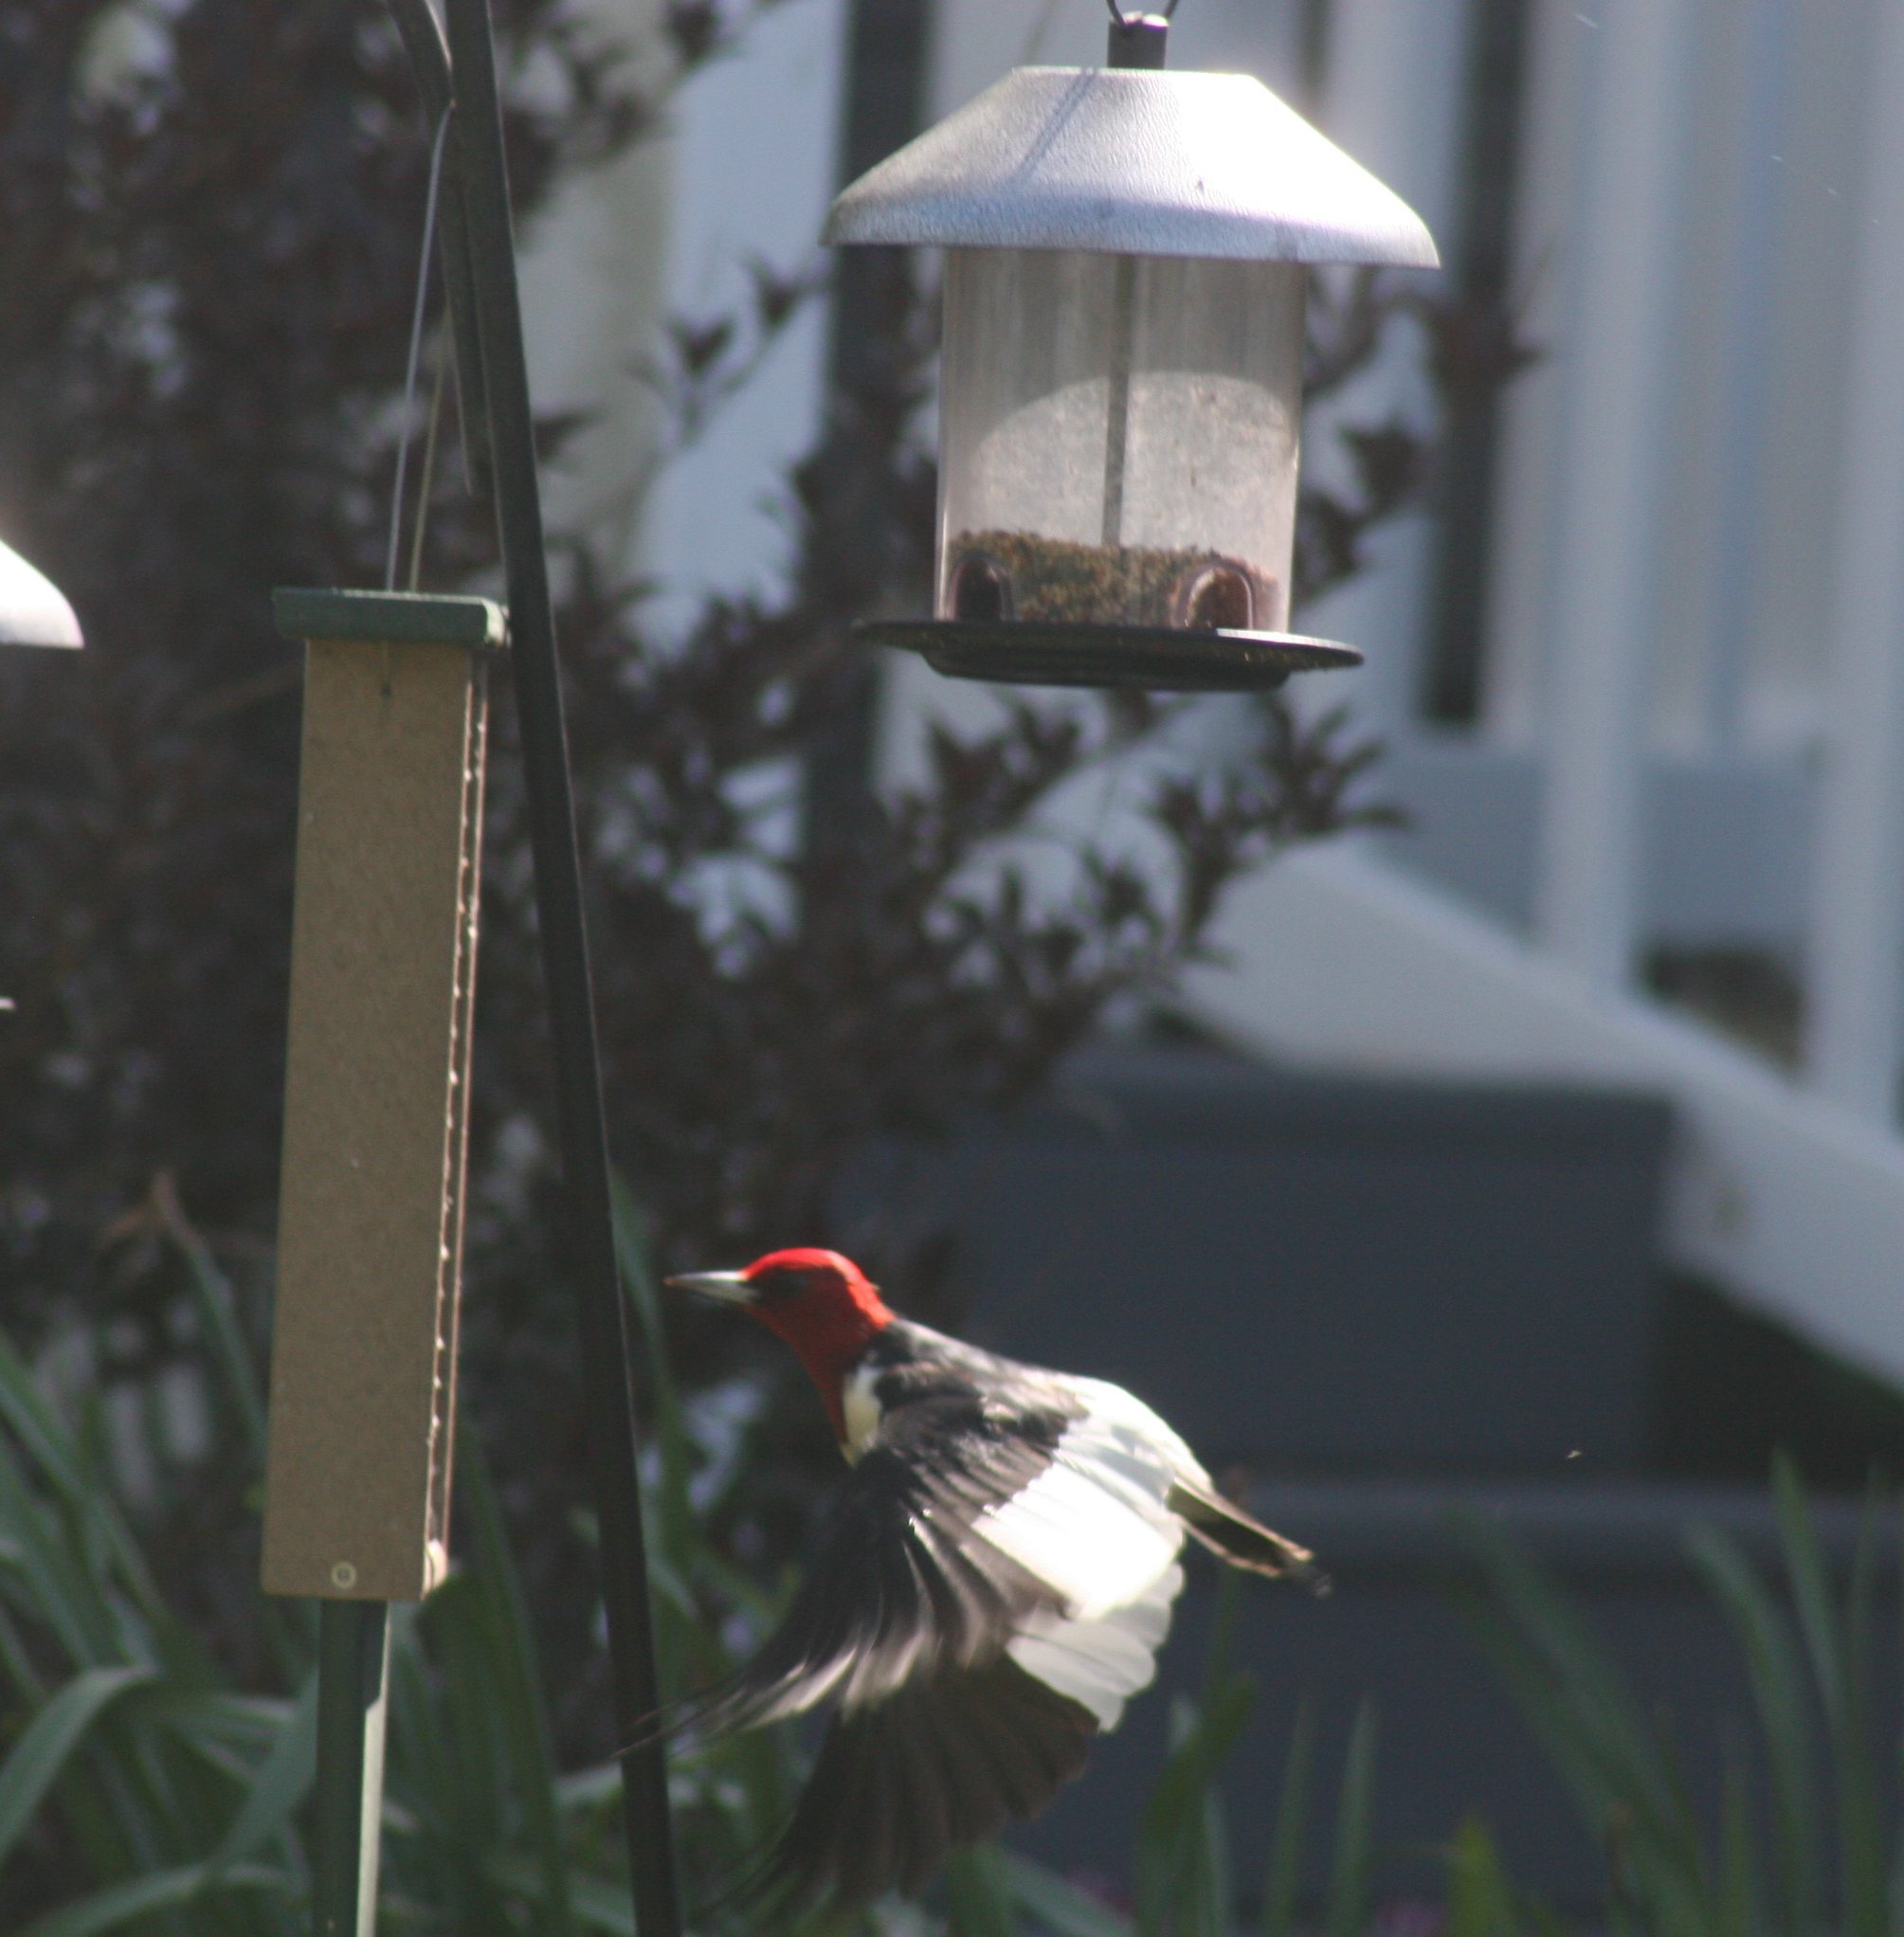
{"x":1232,"y":1535}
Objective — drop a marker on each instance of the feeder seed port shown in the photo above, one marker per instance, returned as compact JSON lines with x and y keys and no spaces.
{"x":1002,"y":576}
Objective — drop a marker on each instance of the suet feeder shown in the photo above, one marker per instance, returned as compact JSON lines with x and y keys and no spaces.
{"x":33,"y":610}
{"x":383,"y":966}
{"x":1121,"y":378}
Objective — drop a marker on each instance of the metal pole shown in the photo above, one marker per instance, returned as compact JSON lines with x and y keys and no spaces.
{"x":354,"y":1660}
{"x":565,"y":964}
{"x":885,"y":87}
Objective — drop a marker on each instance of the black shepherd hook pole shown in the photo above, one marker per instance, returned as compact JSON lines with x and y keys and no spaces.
{"x":485,"y":181}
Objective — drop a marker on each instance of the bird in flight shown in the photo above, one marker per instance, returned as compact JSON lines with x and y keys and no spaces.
{"x":990,"y":1586}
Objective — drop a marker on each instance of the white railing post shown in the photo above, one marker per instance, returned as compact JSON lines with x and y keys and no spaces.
{"x":1856,"y":940}
{"x":1394,"y":94}
{"x":1745,"y":352}
{"x":1624,"y":242}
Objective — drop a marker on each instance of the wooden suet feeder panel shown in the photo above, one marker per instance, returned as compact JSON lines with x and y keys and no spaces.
{"x":363,"y":1362}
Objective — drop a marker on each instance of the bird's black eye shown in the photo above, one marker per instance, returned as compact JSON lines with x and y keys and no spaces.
{"x":783,"y":1282}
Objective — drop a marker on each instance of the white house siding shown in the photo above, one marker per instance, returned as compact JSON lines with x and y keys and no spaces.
{"x":1391,"y":96}
{"x":754,"y":160}
{"x":742,"y":169}
{"x":593,"y":279}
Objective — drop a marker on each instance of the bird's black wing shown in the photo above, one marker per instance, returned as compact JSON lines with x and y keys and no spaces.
{"x":946,"y":1761}
{"x":895,"y":1591}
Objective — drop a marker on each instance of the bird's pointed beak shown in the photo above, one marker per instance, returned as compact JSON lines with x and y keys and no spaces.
{"x":730,"y":1287}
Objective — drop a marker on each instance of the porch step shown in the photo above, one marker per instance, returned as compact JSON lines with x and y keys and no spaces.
{"x":1319,"y":1274}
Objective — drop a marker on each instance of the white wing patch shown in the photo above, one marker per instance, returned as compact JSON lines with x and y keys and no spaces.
{"x":1102,"y":1663}
{"x":1094,"y":1526}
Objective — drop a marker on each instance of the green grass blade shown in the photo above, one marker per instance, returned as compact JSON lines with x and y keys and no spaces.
{"x":1776,"y":1674}
{"x":597,"y":1905}
{"x":419,"y":1813}
{"x":1220,"y":1657}
{"x":1216,"y":1889}
{"x":473,"y":1809}
{"x":282,"y":1780}
{"x":1897,"y":1880}
{"x":1170,"y":1839}
{"x":1542,"y":1920}
{"x":1861,"y":1833}
{"x":1282,"y":1886}
{"x":1623,"y":1775}
{"x":1811,"y":1590}
{"x":665,"y":1406}
{"x":115,"y":1907}
{"x":217,"y":1303}
{"x":1544,"y":1709}
{"x":17,"y":1670}
{"x":43,"y":1751}
{"x":978,"y":1897}
{"x":1055,"y":1904}
{"x":75,"y":1549}
{"x":1351,"y":1885}
{"x":1837,"y":1645}
{"x":517,"y":1686}
{"x":1738,"y":1880}
{"x":42,"y":1435}
{"x":1481,"y":1904}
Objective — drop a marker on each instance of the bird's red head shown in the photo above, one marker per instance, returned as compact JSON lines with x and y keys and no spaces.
{"x":821,"y":1303}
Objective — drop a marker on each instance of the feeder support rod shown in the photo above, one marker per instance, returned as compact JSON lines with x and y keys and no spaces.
{"x":1137,"y":40}
{"x":353,"y":1671}
{"x":565,"y":964}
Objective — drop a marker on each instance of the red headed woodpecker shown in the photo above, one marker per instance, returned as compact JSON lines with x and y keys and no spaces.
{"x":991,"y":1587}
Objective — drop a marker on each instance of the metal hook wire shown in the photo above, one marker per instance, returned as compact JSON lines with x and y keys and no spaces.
{"x":1124,"y":19}
{"x":415,"y":349}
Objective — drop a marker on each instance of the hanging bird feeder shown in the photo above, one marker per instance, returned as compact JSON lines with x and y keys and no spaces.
{"x":1121,"y":379}
{"x":383,"y":969}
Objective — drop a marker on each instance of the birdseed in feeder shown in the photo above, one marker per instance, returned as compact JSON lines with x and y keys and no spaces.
{"x":1019,"y":575}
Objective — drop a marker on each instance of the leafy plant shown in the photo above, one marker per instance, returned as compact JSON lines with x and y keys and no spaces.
{"x":1807,"y":1838}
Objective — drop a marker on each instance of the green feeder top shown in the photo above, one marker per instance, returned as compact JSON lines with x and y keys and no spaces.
{"x":390,"y":618}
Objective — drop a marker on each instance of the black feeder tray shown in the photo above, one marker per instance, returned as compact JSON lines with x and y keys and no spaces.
{"x":1155,"y":658}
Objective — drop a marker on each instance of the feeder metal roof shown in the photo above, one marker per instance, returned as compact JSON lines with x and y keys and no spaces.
{"x":1176,"y":163}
